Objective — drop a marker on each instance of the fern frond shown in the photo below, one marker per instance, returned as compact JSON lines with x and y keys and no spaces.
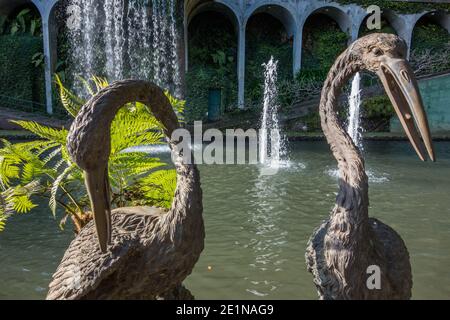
{"x":87,"y":85}
{"x":69,"y":100}
{"x":30,"y":171}
{"x":23,"y":204}
{"x":55,"y":187}
{"x":9,"y":169}
{"x":159,"y":187}
{"x":18,"y":198}
{"x":56,"y":135}
{"x":100,"y":83}
{"x":133,"y":163}
{"x":52,"y":155}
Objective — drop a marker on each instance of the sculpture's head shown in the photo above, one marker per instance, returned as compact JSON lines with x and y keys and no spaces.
{"x":89,"y":140}
{"x":385,"y":54}
{"x":89,"y":147}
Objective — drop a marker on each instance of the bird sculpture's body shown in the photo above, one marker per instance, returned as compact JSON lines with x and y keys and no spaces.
{"x":144,"y":252}
{"x":347,"y":248}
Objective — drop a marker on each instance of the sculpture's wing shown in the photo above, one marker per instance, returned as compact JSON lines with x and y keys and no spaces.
{"x":84,"y":267}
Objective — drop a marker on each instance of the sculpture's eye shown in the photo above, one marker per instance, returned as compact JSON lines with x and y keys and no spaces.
{"x":377,"y":52}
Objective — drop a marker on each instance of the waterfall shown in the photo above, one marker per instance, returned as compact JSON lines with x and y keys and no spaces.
{"x":354,"y":116}
{"x":270,"y":137}
{"x":120,"y":39}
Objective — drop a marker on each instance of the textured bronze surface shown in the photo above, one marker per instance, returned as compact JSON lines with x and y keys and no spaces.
{"x":144,"y":252}
{"x":343,"y":247}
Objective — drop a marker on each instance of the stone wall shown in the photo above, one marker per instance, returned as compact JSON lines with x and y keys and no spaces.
{"x":436,"y":98}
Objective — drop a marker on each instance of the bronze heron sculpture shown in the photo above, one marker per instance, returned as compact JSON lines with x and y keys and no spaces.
{"x":134,"y":252}
{"x":342,"y":249}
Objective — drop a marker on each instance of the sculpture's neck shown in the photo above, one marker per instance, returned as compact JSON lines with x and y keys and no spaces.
{"x":184,"y":221}
{"x":350,"y":215}
{"x":89,"y":143}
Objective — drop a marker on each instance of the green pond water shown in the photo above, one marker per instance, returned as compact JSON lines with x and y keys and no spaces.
{"x":257,"y":227}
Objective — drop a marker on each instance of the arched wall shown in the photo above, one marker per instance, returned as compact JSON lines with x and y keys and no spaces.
{"x":338,"y":15}
{"x":395,"y":22}
{"x":349,"y":18}
{"x":281,"y":13}
{"x":44,"y":8}
{"x":439,"y":17}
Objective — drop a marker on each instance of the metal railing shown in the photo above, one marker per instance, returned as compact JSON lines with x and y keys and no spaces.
{"x":21,"y":104}
{"x":29,"y":106}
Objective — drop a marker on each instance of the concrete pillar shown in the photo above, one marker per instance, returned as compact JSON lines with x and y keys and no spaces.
{"x":445,"y":21}
{"x":408,"y":39}
{"x":241,"y":66}
{"x":297,"y":55}
{"x":50,"y":46}
{"x":46,"y":29}
{"x":354,"y":33}
{"x":404,"y":26}
{"x":186,"y":44}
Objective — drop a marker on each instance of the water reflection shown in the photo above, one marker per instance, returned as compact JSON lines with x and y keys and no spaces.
{"x":257,"y":227}
{"x":268,"y":237}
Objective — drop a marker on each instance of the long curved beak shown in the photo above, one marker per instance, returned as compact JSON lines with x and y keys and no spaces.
{"x":97,"y":185}
{"x":401,"y":86}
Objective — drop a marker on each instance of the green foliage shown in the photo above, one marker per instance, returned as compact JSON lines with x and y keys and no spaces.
{"x":266,"y":38}
{"x":27,"y":21}
{"x":323,"y":44}
{"x":429,"y":36}
{"x":378,"y":107}
{"x":43,"y":168}
{"x":312,"y":121}
{"x":399,"y":6}
{"x":376,"y":113}
{"x":20,"y":79}
{"x":212,"y":64}
{"x":202,"y":78}
{"x":157,"y":188}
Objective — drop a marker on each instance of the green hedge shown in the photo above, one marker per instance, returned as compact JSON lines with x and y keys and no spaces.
{"x":20,"y":79}
{"x":200,"y":80}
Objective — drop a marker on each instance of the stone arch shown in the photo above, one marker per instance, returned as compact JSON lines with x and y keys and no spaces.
{"x":312,"y":30}
{"x":439,"y":18}
{"x":194,"y":8}
{"x":389,"y":18}
{"x":214,"y":28}
{"x":47,"y":10}
{"x":335,"y":13}
{"x":270,"y":31}
{"x":281,"y":11}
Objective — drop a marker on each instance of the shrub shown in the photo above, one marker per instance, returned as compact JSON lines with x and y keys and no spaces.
{"x":377,"y":112}
{"x":20,"y":79}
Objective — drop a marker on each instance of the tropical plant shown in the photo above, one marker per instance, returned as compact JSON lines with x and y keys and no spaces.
{"x":43,"y":169}
{"x":26,"y":21}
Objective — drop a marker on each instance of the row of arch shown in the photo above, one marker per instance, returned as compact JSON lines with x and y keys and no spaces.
{"x":294,"y":15}
{"x":46,"y":9}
